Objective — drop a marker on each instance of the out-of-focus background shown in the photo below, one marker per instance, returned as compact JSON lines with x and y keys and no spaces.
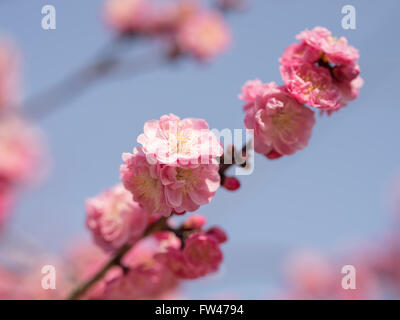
{"x":332,"y":196}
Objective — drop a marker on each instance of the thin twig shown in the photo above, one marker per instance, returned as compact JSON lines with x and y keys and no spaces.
{"x":161,"y":224}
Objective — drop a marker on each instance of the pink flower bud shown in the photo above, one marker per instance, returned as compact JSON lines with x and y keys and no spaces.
{"x":273,"y":155}
{"x":218,"y":234}
{"x":178,"y":213}
{"x":231,"y":183}
{"x":196,"y":221}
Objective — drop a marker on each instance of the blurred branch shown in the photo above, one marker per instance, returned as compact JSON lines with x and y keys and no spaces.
{"x":108,"y":63}
{"x":161,"y":224}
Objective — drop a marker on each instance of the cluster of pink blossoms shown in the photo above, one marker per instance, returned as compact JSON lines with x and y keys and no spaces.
{"x":155,"y":264}
{"x":321,"y":71}
{"x":190,"y":28}
{"x":176,"y":169}
{"x":173,"y":171}
{"x":158,"y":264}
{"x":201,"y":254}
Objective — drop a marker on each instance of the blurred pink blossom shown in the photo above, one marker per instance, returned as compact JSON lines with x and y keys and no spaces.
{"x":115,"y":219}
{"x":128,"y":16}
{"x":83,"y":261}
{"x":21,"y":151}
{"x":204,"y":35}
{"x":313,"y":276}
{"x":168,"y":17}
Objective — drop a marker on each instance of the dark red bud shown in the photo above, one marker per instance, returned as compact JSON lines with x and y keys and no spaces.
{"x":273,"y":155}
{"x":231,"y":183}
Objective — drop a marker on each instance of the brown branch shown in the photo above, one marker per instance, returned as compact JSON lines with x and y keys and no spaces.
{"x":161,"y":224}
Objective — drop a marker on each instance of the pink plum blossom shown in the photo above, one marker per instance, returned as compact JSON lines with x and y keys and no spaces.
{"x":313,"y":85}
{"x":218,"y":234}
{"x":322,"y":70}
{"x":205,"y":35}
{"x":336,"y":50}
{"x":251,"y":89}
{"x":179,"y":142}
{"x":310,"y":275}
{"x":186,"y":189}
{"x":115,"y":219}
{"x":21,"y":151}
{"x":142,"y":180}
{"x":200,"y":256}
{"x":203,"y":252}
{"x":299,"y":53}
{"x":128,"y":16}
{"x":9,"y":73}
{"x":163,"y":189}
{"x":281,"y":125}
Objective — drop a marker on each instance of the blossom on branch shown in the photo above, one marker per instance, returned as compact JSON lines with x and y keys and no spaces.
{"x":180,"y":143}
{"x":200,"y":256}
{"x":281,"y":125}
{"x":115,"y":219}
{"x":176,"y":168}
{"x":322,"y":70}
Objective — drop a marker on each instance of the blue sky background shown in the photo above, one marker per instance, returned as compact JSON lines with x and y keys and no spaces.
{"x":330,"y":196}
